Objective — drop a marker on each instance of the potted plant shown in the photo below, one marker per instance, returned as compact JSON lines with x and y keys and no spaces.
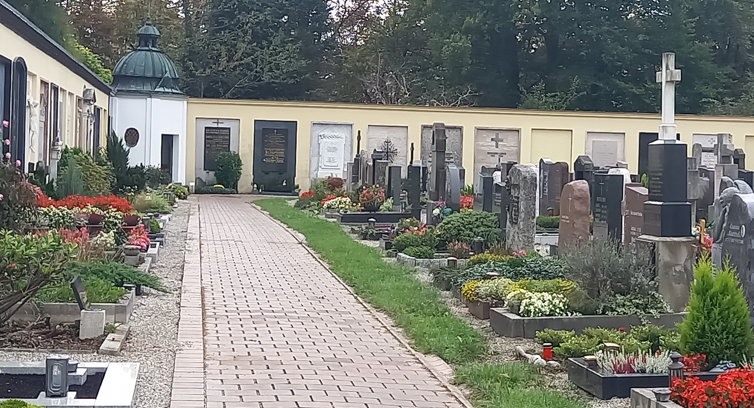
{"x":95,"y":215}
{"x":372,"y":197}
{"x":131,"y":219}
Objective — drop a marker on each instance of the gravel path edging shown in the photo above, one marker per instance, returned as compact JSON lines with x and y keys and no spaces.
{"x":435,"y":365}
{"x":188,"y":390}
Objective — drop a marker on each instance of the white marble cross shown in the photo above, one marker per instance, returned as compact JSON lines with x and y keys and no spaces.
{"x":668,"y":78}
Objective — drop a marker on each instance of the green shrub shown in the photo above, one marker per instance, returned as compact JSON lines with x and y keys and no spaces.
{"x":154,"y":226}
{"x":604,"y":270}
{"x":651,"y":303}
{"x":421,"y":252}
{"x":117,"y":273}
{"x":718,"y":322}
{"x":96,"y":176}
{"x":19,"y":198}
{"x":387,"y":206}
{"x":555,"y":337}
{"x":467,"y":225}
{"x":549,"y":222}
{"x":17,"y":404}
{"x":97,"y":291}
{"x":408,"y":223}
{"x":156,"y":177}
{"x":657,"y":337}
{"x":303,"y":202}
{"x":151,"y":202}
{"x":70,"y":179}
{"x":229,"y":166}
{"x":216,"y":190}
{"x":180,"y":192}
{"x":427,"y":239}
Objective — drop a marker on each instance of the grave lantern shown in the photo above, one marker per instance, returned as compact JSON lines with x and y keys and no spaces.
{"x":675,"y":368}
{"x":56,"y":376}
{"x":477,"y":245}
{"x":372,"y":223}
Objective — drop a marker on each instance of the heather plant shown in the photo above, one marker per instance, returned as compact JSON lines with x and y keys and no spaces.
{"x":718,"y":323}
{"x":460,"y":250}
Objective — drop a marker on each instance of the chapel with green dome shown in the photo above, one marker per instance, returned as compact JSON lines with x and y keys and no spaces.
{"x":148,"y":107}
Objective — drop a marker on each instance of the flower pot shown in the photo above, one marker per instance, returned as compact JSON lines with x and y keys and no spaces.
{"x":371,"y":207}
{"x":662,"y":394}
{"x":131,"y":250}
{"x":131,"y":220}
{"x":95,"y":219}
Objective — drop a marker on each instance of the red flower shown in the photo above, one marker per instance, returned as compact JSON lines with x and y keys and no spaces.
{"x":467,"y":202}
{"x":307,"y":194}
{"x":104,"y":203}
{"x":730,"y":390}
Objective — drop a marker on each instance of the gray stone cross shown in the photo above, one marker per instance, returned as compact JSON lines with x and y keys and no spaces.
{"x":497,"y":140}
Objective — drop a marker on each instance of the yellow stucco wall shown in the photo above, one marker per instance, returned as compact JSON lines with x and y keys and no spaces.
{"x":549,"y":130}
{"x":42,"y":67}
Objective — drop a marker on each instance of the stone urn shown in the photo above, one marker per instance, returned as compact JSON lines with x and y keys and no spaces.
{"x":131,"y":250}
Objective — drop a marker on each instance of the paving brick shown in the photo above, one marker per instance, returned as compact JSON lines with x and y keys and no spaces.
{"x":281,"y":331}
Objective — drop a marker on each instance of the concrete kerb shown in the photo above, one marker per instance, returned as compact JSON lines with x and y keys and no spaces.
{"x":188,"y":371}
{"x":384,"y":321}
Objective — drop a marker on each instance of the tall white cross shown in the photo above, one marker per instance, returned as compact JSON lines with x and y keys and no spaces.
{"x":668,"y":78}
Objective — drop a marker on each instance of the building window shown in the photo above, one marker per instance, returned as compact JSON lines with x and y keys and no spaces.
{"x":18,"y":112}
{"x":131,"y":137}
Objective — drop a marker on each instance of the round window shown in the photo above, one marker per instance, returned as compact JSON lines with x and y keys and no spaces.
{"x":131,"y":137}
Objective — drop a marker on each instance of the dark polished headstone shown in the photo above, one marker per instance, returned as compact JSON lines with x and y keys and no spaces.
{"x":274,"y":167}
{"x":667,"y":212}
{"x":501,"y":207}
{"x":453,"y":187}
{"x":608,"y":198}
{"x":414,"y":190}
{"x":583,"y":168}
{"x":552,"y":178}
{"x":380,"y":172}
{"x":738,"y":243}
{"x":487,"y":192}
{"x":739,"y":158}
{"x":437,"y":177}
{"x":633,"y":218}
{"x":393,"y":180}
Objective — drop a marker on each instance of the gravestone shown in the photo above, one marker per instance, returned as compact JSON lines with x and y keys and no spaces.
{"x":605,"y":149}
{"x":633,"y":214}
{"x":739,"y":158}
{"x":453,"y":188}
{"x":393,"y":183}
{"x":357,"y":168}
{"x":454,"y":145}
{"x":380,"y":172}
{"x":331,"y":148}
{"x":495,"y":147}
{"x":697,"y":187}
{"x":725,"y":167}
{"x":738,"y":243}
{"x":574,"y":215}
{"x":414,"y":190}
{"x":667,"y":213}
{"x":608,"y":199}
{"x":500,"y":204}
{"x":552,"y":178}
{"x":721,"y":214}
{"x":274,"y":167}
{"x":216,"y":142}
{"x":437,"y":172}
{"x":521,"y":218}
{"x":488,"y":192}
{"x":79,"y":292}
{"x":393,"y":140}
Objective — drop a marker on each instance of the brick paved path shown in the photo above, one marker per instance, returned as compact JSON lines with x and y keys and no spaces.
{"x":281,"y":331}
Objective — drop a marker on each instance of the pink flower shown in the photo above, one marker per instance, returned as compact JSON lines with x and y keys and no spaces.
{"x":18,"y":163}
{"x":1,"y":196}
{"x":5,"y":123}
{"x":7,"y":155}
{"x":7,"y":142}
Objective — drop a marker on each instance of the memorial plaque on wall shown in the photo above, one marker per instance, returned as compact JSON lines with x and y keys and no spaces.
{"x":216,"y":142}
{"x":274,"y":143}
{"x":274,"y":167}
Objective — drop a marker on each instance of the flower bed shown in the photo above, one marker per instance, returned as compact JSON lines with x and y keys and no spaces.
{"x":732,"y":389}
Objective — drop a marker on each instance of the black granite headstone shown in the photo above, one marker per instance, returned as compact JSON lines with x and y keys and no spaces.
{"x":80,"y":293}
{"x":414,"y":190}
{"x":608,"y":212}
{"x":487,"y":192}
{"x":274,"y":167}
{"x":747,"y":176}
{"x":667,"y":212}
{"x":437,"y":178}
{"x":552,"y":178}
{"x":216,"y":142}
{"x":738,"y":243}
{"x":453,"y":187}
{"x":393,"y":177}
{"x":739,"y":158}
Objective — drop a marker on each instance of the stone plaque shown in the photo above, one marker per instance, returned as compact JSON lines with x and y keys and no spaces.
{"x":275,"y":156}
{"x":494,"y":147}
{"x":574,"y":214}
{"x":521,"y":220}
{"x":738,"y":243}
{"x":392,"y":139}
{"x":633,"y":215}
{"x":453,"y":145}
{"x":708,"y":142}
{"x":606,"y":149}
{"x":608,"y":198}
{"x":331,"y":149}
{"x":216,"y":142}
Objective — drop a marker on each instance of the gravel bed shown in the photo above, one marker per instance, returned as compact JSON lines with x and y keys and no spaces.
{"x":152,"y":340}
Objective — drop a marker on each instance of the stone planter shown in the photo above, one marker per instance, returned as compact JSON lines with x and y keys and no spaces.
{"x":131,"y":250}
{"x":70,"y":312}
{"x":480,"y":309}
{"x":131,"y":220}
{"x":604,"y":385}
{"x":511,"y":325}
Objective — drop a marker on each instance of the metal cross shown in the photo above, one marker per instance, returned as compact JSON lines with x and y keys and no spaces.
{"x":497,"y":140}
{"x":668,"y":78}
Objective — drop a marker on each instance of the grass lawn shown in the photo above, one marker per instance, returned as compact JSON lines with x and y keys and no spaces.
{"x":420,"y":312}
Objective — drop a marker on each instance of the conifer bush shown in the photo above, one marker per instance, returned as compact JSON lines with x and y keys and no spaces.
{"x":718,"y":322}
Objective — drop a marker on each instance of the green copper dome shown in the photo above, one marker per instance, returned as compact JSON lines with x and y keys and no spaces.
{"x":146,"y":69}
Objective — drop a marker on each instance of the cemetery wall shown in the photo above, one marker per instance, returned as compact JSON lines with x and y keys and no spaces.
{"x":49,"y":64}
{"x":562,"y":136}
